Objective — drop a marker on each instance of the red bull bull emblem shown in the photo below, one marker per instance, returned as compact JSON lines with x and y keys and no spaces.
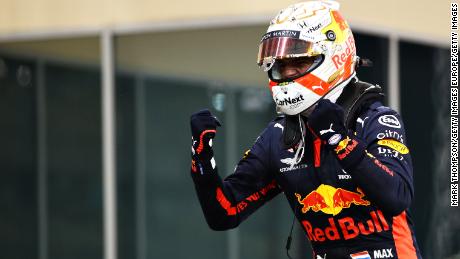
{"x":331,"y":200}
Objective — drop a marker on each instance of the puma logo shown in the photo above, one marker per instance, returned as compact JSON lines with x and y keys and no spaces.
{"x":317,"y":86}
{"x":277,"y":125}
{"x":322,"y":132}
{"x":361,"y":121}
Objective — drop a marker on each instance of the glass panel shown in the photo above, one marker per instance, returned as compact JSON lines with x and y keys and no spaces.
{"x":126,"y":165}
{"x":156,"y":199}
{"x":173,"y":212}
{"x":162,"y":79}
{"x":74,"y":161}
{"x":51,"y":121}
{"x":376,"y":49}
{"x":425,"y":106}
{"x":18,"y":157}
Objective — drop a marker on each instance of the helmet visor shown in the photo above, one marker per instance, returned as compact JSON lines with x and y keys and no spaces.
{"x":282,"y":47}
{"x":289,"y":69}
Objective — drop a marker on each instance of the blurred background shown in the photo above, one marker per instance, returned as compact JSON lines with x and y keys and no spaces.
{"x":95,"y":99}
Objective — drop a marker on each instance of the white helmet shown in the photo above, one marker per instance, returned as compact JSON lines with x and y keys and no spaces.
{"x":313,"y":30}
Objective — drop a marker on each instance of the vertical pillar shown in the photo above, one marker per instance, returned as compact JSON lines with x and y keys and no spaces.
{"x":108,"y":146}
{"x":393,"y":74}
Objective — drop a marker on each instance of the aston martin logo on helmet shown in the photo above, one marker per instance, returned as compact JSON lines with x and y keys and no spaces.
{"x":281,"y":33}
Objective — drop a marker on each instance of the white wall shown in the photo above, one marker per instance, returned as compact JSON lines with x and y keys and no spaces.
{"x":426,"y":18}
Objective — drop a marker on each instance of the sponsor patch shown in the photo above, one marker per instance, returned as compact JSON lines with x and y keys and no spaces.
{"x":344,"y":176}
{"x":347,"y":49}
{"x":334,"y":139}
{"x":389,"y":121}
{"x":246,"y":154}
{"x":290,"y":101}
{"x":348,"y":149}
{"x":194,"y":166}
{"x":331,"y":200}
{"x":296,"y":167}
{"x":304,"y":26}
{"x":388,"y":152}
{"x":391,"y":134}
{"x":394,"y":144}
{"x":347,"y":228}
{"x":281,"y":33}
{"x":383,"y":167}
{"x":342,"y":144}
{"x":288,"y":161}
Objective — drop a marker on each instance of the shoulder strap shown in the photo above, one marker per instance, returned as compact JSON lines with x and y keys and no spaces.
{"x":356,"y":98}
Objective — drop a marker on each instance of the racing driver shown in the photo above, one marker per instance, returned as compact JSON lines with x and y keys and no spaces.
{"x":336,"y":152}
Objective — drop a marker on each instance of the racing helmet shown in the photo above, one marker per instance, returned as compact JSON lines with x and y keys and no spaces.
{"x":315,"y":34}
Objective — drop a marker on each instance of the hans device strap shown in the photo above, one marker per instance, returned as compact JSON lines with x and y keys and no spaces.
{"x":356,"y":98}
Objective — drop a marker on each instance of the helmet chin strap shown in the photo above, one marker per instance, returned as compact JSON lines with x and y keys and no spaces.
{"x":334,"y":94}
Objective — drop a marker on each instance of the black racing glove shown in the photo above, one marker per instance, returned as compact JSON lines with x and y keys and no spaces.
{"x":203,"y":126}
{"x":327,"y":122}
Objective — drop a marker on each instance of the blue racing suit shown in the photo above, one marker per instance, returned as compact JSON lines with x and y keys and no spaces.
{"x":350,"y":205}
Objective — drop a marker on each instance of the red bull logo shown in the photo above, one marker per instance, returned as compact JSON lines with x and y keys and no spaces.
{"x":313,"y":200}
{"x":349,"y":227}
{"x":345,"y":55}
{"x":194,"y":166}
{"x":348,"y":149}
{"x":331,"y":200}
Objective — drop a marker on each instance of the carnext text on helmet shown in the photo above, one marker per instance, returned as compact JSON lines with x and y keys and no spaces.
{"x":290,"y":101}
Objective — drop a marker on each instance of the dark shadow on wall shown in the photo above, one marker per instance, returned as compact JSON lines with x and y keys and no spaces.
{"x":425,"y":109}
